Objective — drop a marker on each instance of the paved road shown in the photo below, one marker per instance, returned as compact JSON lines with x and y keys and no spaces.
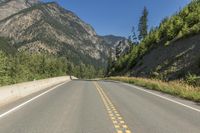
{"x":101,"y":107}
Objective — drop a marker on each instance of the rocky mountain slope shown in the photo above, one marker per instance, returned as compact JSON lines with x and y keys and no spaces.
{"x":112,"y":40}
{"x":9,"y":7}
{"x":118,"y":45}
{"x":48,"y":28}
{"x":121,"y":48}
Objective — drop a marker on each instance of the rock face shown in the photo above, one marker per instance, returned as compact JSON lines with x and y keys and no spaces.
{"x":121,"y":48}
{"x":119,"y":45}
{"x":112,"y":40}
{"x":34,"y":26}
{"x":9,"y":7}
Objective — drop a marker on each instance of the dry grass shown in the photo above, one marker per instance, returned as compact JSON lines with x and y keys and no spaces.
{"x":177,"y":88}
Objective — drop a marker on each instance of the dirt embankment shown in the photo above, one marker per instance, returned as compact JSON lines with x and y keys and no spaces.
{"x":171,"y":62}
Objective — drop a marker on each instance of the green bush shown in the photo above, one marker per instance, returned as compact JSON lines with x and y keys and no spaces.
{"x":23,"y":67}
{"x":193,"y":80}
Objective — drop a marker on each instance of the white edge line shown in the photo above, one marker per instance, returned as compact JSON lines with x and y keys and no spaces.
{"x":30,"y":100}
{"x":168,"y":99}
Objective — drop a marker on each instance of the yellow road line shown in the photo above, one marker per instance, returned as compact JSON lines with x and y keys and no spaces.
{"x":116,"y":118}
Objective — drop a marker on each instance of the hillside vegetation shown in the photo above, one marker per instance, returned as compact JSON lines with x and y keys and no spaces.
{"x":6,"y":46}
{"x":18,"y":67}
{"x":23,"y":67}
{"x":163,"y":41}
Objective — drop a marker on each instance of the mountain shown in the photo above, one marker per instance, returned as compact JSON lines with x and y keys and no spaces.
{"x":38,"y":27}
{"x":122,"y":48}
{"x":118,"y":45}
{"x":112,"y":40}
{"x":9,"y":7}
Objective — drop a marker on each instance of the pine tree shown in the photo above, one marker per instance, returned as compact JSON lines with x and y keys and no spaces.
{"x":109,"y":64}
{"x":118,"y":50}
{"x":143,"y":27}
{"x":133,"y":36}
{"x":130,"y":39}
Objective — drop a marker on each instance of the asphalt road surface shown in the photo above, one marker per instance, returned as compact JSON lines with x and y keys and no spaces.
{"x":100,"y":107}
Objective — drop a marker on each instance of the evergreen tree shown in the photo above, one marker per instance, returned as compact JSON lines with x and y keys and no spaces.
{"x":130,"y":39}
{"x":69,"y":69}
{"x":118,"y":50}
{"x":109,"y":64}
{"x":143,"y":27}
{"x":133,"y":36}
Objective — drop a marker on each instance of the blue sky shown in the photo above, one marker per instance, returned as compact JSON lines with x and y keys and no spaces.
{"x":118,"y":16}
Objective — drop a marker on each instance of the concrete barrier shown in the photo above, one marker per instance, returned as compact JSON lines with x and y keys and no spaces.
{"x":14,"y":92}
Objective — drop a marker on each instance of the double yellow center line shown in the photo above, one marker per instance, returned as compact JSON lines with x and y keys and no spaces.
{"x":114,"y":115}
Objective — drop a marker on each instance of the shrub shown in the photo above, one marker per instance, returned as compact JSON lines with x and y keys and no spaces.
{"x":193,"y":79}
